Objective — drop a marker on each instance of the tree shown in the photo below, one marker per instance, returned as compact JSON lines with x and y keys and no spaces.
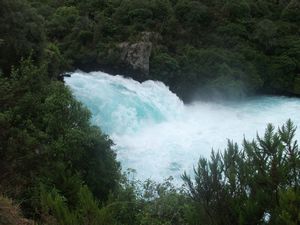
{"x":46,"y":137}
{"x":292,"y":11}
{"x":22,"y":33}
{"x":251,"y":185}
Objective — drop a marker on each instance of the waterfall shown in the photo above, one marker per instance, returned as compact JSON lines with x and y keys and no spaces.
{"x":157,"y":135}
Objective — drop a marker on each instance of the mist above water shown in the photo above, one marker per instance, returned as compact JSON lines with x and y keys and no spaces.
{"x":157,"y":135}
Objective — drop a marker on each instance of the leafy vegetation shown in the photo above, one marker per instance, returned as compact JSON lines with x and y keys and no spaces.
{"x":223,"y":48}
{"x":60,"y":169}
{"x":47,"y":139}
{"x":251,"y":184}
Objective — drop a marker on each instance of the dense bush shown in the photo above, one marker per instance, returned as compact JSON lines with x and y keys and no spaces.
{"x":61,"y":170}
{"x":21,"y":31}
{"x":46,"y":138}
{"x":88,"y":33}
{"x":250,"y":185}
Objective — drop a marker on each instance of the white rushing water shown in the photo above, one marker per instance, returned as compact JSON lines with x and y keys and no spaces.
{"x":157,"y":135}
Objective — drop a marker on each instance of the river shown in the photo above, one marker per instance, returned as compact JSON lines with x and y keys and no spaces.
{"x":159,"y":136}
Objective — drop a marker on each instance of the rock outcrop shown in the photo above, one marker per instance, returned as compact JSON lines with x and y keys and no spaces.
{"x":137,"y":55}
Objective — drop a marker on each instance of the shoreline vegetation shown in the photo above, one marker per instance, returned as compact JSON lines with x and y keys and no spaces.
{"x":56,"y":168}
{"x":207,"y":49}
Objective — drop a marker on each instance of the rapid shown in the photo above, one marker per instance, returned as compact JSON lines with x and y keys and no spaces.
{"x":159,"y":136}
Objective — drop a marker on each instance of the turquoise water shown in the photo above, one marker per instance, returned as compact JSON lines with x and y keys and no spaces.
{"x":157,"y":135}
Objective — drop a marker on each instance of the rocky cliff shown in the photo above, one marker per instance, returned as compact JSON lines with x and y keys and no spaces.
{"x":137,"y":54}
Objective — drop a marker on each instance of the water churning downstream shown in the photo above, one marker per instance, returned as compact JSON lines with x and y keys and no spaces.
{"x":157,"y":135}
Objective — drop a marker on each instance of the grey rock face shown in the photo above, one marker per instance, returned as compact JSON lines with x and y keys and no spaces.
{"x":137,"y":54}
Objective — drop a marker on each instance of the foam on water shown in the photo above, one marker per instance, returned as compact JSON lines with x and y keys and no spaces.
{"x":157,"y":135}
